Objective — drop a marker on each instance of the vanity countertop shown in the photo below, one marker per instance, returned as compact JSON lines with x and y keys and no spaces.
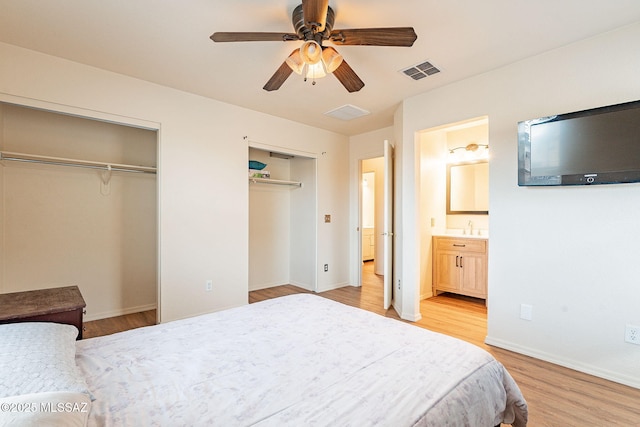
{"x":458,"y":234}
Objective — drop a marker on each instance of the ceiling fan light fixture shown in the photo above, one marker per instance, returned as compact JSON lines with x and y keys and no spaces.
{"x":313,"y":25}
{"x":309,"y":71}
{"x":331,"y":59}
{"x":311,"y":52}
{"x":314,"y":71}
{"x":295,"y":62}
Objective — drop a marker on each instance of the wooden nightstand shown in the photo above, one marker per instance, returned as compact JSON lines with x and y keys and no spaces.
{"x":58,"y":305}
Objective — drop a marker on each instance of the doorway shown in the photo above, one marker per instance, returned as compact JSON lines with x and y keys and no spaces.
{"x":371,"y":220}
{"x":460,"y":144}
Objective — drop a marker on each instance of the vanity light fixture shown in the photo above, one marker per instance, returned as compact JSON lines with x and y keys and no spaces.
{"x":471,"y":152}
{"x":470,"y":147}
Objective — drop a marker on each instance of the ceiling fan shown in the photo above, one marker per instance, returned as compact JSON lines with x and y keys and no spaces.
{"x":313,"y":23}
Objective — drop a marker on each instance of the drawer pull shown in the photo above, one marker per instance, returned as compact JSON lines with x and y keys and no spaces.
{"x":457,"y":245}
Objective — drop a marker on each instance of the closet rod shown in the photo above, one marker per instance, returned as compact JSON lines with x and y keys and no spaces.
{"x":61,"y":161}
{"x":275,"y":182}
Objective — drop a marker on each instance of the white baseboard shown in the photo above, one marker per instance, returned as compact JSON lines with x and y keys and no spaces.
{"x":411,"y":317}
{"x":302,"y":285}
{"x":631,"y":381}
{"x":334,"y":286}
{"x":265,"y":286}
{"x":119,"y":312}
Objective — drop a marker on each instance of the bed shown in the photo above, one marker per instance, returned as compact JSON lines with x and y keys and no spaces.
{"x":299,"y":360}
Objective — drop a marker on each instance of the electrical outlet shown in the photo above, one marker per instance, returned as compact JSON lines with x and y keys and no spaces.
{"x":326,"y":267}
{"x":632,"y":334}
{"x":208,"y":286}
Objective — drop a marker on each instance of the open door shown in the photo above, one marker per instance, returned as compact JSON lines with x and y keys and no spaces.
{"x":388,"y":224}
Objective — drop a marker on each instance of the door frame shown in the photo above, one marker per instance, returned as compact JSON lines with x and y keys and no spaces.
{"x":356,"y":210}
{"x":84,"y":113}
{"x":357,"y":278}
{"x":388,"y":229}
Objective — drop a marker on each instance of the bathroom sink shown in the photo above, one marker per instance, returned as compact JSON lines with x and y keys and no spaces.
{"x":475,"y":236}
{"x":459,"y":232}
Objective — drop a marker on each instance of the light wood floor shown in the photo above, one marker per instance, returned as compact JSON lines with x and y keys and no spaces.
{"x":98,"y":328}
{"x":556,"y":396}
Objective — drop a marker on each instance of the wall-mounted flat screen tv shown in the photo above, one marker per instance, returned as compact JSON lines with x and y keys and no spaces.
{"x":597,"y":146}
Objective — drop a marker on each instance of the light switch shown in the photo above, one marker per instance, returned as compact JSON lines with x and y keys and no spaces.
{"x":327,"y":218}
{"x":526,"y":311}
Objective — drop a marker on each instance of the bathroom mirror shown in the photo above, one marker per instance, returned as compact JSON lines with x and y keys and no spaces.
{"x":468,"y":188}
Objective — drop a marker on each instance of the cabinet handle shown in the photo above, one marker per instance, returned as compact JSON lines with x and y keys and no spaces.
{"x":460,"y":262}
{"x":459,"y":245}
{"x":457,"y":256}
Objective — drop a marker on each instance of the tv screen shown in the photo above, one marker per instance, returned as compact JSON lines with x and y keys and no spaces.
{"x":597,"y":146}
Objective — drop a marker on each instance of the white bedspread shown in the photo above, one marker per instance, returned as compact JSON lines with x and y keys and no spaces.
{"x":299,"y":360}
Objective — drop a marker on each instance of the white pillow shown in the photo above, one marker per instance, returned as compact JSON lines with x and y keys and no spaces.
{"x":51,"y":409}
{"x":38,"y":357}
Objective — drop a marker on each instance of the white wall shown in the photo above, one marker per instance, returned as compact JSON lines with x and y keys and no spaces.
{"x":303,"y":267}
{"x":203,"y":190}
{"x":571,"y":252}
{"x":368,"y":204}
{"x":333,"y":199}
{"x":433,"y":174}
{"x":407,"y":254}
{"x":62,"y":226}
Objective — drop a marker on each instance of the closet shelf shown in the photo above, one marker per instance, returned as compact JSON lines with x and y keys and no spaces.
{"x":61,"y":161}
{"x":275,"y":182}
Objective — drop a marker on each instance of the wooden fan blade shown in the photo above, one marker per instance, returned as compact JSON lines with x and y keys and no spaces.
{"x":395,"y":36}
{"x":315,"y":13}
{"x":253,"y":37}
{"x":278,"y":77}
{"x":348,"y":77}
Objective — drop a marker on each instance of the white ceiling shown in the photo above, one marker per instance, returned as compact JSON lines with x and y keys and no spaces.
{"x":167,"y":42}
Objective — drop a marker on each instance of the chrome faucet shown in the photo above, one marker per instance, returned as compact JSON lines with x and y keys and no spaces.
{"x":470,"y":227}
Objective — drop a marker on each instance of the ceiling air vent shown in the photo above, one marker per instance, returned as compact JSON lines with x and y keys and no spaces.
{"x":347,"y":112}
{"x":421,"y":71}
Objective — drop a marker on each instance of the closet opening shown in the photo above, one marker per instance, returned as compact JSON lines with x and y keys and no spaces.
{"x":282,"y":218}
{"x":78,"y":198}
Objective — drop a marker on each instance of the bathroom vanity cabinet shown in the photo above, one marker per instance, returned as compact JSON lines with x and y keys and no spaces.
{"x":460,"y":266}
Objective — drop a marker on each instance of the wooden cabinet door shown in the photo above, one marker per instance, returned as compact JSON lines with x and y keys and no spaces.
{"x":474,"y":275}
{"x":460,"y":266}
{"x":447,"y":269}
